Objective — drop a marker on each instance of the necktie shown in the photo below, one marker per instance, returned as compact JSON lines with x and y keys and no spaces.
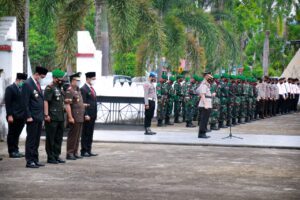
{"x":38,"y":86}
{"x":93,"y":91}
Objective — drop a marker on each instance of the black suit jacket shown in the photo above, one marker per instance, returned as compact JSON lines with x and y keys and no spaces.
{"x":33,"y":101}
{"x":14,"y":102}
{"x":90,"y":99}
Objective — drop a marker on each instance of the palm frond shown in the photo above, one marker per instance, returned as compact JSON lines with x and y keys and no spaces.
{"x":71,"y":20}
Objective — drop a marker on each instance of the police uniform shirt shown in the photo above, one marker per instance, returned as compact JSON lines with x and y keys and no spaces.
{"x":149,"y":92}
{"x":74,"y":98}
{"x":204,"y":88}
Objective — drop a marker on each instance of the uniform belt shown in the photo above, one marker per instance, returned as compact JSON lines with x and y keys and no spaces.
{"x":151,"y":99}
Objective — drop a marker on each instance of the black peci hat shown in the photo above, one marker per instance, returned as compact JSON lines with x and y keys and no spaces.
{"x":21,"y":76}
{"x":90,"y":74}
{"x":41,"y":70}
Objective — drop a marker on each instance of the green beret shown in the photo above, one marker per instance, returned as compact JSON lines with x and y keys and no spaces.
{"x":195,"y":76}
{"x":216,"y":76}
{"x":225,"y":75}
{"x":187,"y":78}
{"x":172,"y":78}
{"x":164,"y":76}
{"x":233,"y":77}
{"x":57,"y":73}
{"x":200,"y":78}
{"x":243,"y":78}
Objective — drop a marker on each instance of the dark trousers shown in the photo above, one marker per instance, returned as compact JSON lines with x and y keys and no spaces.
{"x":54,"y":138}
{"x":34,"y":130}
{"x":261,"y":108}
{"x":149,"y":113}
{"x":74,"y":138}
{"x":204,"y":113}
{"x":87,"y":136}
{"x":281,"y":104}
{"x":296,"y":102}
{"x":14,"y":132}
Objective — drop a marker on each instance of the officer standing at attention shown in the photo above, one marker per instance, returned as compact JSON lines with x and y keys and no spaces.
{"x":33,"y":100}
{"x":54,"y":117}
{"x":75,"y":110}
{"x":205,"y":104}
{"x":90,"y":98}
{"x":149,"y":99}
{"x":161,"y":99}
{"x":15,"y":111}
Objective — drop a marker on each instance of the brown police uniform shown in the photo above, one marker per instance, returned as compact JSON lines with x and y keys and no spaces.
{"x":74,"y":98}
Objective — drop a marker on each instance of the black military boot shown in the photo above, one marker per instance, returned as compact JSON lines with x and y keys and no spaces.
{"x":159,"y":123}
{"x":148,"y":131}
{"x":221,"y":125}
{"x":190,"y":124}
{"x":246,"y":119}
{"x":214,"y":127}
{"x":176,"y":120}
{"x":167,"y":122}
{"x":234,"y":122}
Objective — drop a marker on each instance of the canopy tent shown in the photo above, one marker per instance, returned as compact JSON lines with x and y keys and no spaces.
{"x":293,"y":68}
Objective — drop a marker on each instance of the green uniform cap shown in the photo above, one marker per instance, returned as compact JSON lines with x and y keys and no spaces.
{"x":172,"y":78}
{"x":187,"y":78}
{"x":200,"y":78}
{"x":57,"y":73}
{"x":216,"y":76}
{"x":233,"y":77}
{"x":164,"y":76}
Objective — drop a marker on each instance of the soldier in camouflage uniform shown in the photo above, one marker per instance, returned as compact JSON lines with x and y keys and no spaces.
{"x":234,"y":100}
{"x":170,"y":100}
{"x":243,"y":106}
{"x":161,"y":99}
{"x":223,"y":100}
{"x":254,"y":97}
{"x":247,"y":96}
{"x":189,"y":93}
{"x":197,"y":83}
{"x":239,"y":97}
{"x":54,"y":117}
{"x":178,"y":97}
{"x":215,"y":113}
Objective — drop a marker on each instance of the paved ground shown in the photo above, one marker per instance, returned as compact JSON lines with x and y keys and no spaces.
{"x":136,"y":171}
{"x":177,"y":172}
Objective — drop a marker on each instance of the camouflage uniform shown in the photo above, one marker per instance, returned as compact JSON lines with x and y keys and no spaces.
{"x":215,"y":113}
{"x":177,"y":99}
{"x":239,"y":100}
{"x":161,"y":100}
{"x":170,"y":100}
{"x":223,"y":99}
{"x":189,"y":93}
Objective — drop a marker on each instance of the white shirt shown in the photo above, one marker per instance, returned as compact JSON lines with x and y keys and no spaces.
{"x":287,"y":86}
{"x":282,"y":89}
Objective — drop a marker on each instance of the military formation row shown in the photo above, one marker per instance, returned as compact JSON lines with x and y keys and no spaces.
{"x":235,"y":99}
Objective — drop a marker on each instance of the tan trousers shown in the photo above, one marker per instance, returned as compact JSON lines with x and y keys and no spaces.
{"x":74,"y":138}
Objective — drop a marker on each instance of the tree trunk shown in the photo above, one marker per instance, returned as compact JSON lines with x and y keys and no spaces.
{"x":25,"y":39}
{"x":266,"y":53}
{"x":101,"y":34}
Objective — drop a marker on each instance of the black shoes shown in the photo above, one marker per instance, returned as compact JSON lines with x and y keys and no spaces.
{"x":16,"y":155}
{"x":61,"y":161}
{"x":71,"y":157}
{"x":52,"y":161}
{"x":190,"y":125}
{"x":31,"y":164}
{"x":39,"y":164}
{"x":149,"y":132}
{"x":85,"y":154}
{"x":203,"y":136}
{"x":78,"y":157}
{"x":93,"y":154}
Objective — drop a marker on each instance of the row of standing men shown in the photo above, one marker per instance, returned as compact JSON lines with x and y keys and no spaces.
{"x":238,"y":99}
{"x":26,"y":103}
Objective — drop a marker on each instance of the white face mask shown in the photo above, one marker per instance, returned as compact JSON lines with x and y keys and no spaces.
{"x":93,"y":82}
{"x":78,"y":83}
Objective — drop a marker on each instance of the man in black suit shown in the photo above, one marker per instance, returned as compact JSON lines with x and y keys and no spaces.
{"x":89,"y":97}
{"x":34,"y":114}
{"x":15,"y":111}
